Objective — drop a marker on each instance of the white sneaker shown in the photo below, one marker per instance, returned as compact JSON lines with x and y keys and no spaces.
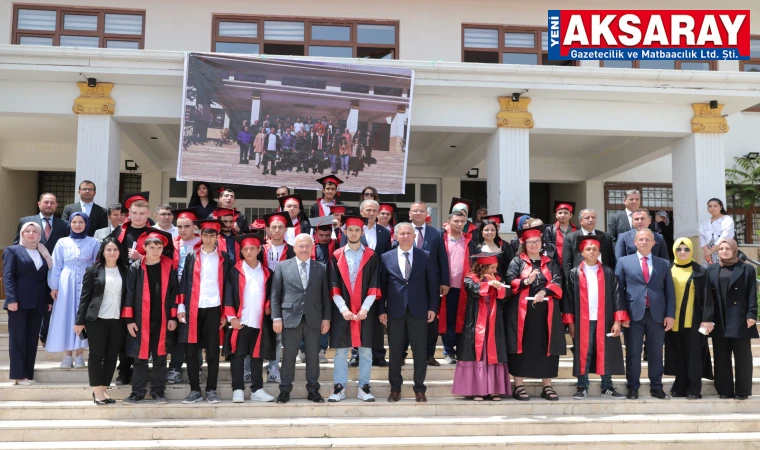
{"x":68,"y":362}
{"x":301,"y":357}
{"x":323,"y":357}
{"x":274,"y":375}
{"x":365,"y":395}
{"x":261,"y":396}
{"x":79,"y":362}
{"x":449,"y":359}
{"x":339,"y":393}
{"x":238,"y":396}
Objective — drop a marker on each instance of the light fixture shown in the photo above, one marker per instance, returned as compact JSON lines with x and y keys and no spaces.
{"x":92,"y":82}
{"x":752,"y":155}
{"x":516,"y":97}
{"x":130,"y":165}
{"x":713,"y":104}
{"x":452,"y":146}
{"x":154,"y":138}
{"x":473,"y":173}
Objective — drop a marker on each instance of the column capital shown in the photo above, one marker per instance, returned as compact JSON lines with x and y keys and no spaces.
{"x":514,"y":114}
{"x":94,"y":100}
{"x":354,"y":104}
{"x":708,"y":120}
{"x":256,"y":95}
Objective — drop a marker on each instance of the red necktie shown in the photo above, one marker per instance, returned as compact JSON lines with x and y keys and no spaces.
{"x":645,"y":268}
{"x":47,"y":228}
{"x":419,"y":237}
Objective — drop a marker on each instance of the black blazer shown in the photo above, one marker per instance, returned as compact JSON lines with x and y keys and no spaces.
{"x":60,"y":229}
{"x":618,"y":225}
{"x":24,"y":283}
{"x":93,"y":287}
{"x":419,"y":293}
{"x":98,"y":216}
{"x":315,"y":143}
{"x":731,"y":313}
{"x":572,"y":258}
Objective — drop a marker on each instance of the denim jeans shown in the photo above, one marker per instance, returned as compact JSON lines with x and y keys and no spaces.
{"x":344,"y":162}
{"x":583,"y":379}
{"x":333,"y":160}
{"x":340,"y":370}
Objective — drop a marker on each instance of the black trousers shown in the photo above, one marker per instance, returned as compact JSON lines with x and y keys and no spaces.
{"x":208,"y":338}
{"x":106,"y":336}
{"x":401,"y":331}
{"x":23,"y":334}
{"x":45,"y":325}
{"x":269,"y":158}
{"x":634,"y":342}
{"x":125,"y":362}
{"x":724,"y":376}
{"x":246,"y":341}
{"x":140,"y":372}
{"x":243,"y":151}
{"x":687,"y":351}
{"x":291,"y":338}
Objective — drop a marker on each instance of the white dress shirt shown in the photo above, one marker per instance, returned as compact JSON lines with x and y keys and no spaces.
{"x":402,"y":258}
{"x":593,"y":290}
{"x":370,"y":235}
{"x":36,"y":257}
{"x":173,"y":230}
{"x":649,"y":262}
{"x":253,"y":296}
{"x":628,"y":215}
{"x":86,"y":207}
{"x":209,"y":295}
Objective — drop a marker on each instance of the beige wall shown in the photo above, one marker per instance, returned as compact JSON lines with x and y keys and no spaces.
{"x":20,"y":199}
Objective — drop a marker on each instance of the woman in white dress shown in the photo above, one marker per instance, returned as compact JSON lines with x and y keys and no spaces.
{"x":718,"y":228}
{"x":71,"y":257}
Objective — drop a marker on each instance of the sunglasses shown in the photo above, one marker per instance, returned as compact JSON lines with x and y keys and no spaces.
{"x":369,"y":194}
{"x":683,"y":250}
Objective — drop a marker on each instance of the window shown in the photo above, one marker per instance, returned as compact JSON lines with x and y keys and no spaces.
{"x":495,"y":44}
{"x":753,"y":64}
{"x":307,"y":37}
{"x":130,"y":182}
{"x":61,"y":184}
{"x":177,"y":189}
{"x":664,"y":64}
{"x":67,"y":26}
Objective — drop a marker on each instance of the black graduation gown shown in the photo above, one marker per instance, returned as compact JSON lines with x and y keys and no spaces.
{"x":189,"y":290}
{"x":609,"y":350}
{"x":474,"y":321}
{"x":550,"y":237}
{"x":359,"y":333}
{"x":702,"y":312}
{"x":505,"y":257}
{"x":125,"y":235}
{"x":233,"y":292}
{"x":136,"y":308}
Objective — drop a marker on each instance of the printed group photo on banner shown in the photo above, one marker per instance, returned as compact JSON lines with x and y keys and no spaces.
{"x":263,"y":121}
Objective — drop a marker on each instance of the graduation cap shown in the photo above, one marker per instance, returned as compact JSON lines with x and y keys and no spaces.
{"x":458,"y":204}
{"x":254,"y":238}
{"x":390,"y":207}
{"x":186,"y":213}
{"x":165,"y":238}
{"x":321,"y":223}
{"x":586,"y":239}
{"x":221,"y":212}
{"x":258,"y":224}
{"x":354,"y":221}
{"x":498,"y":218}
{"x":338,"y":209}
{"x":128,"y":199}
{"x":561,"y":204}
{"x":529,"y":233}
{"x":330,"y":179}
{"x":278,"y":216}
{"x":485,"y":259}
{"x":291,"y":197}
{"x":518,"y":220}
{"x":209,"y":224}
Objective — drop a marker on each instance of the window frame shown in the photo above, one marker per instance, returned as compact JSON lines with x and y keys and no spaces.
{"x":635,"y":64}
{"x":501,"y":49}
{"x":307,"y":42}
{"x":61,"y":11}
{"x":755,"y":108}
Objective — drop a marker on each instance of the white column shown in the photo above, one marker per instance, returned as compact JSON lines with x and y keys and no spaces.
{"x":99,"y":156}
{"x":226,"y":121}
{"x":698,"y":175}
{"x":509,"y":172}
{"x":352,"y":121}
{"x":397,"y":130}
{"x":255,"y":108}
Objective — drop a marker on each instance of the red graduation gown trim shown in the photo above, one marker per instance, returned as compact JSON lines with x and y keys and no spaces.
{"x":552,"y":290}
{"x":139,"y":248}
{"x":355,"y":301}
{"x":330,"y":249}
{"x":462,"y":305}
{"x":221,"y":243}
{"x":297,"y":227}
{"x":283,"y":255}
{"x":487,"y":291}
{"x":322,"y":206}
{"x":601,"y":331}
{"x":230,"y":311}
{"x":166,"y":267}
{"x":560,"y":239}
{"x":192,"y":334}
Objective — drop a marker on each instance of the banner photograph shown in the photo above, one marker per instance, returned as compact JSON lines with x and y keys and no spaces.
{"x":263,"y":121}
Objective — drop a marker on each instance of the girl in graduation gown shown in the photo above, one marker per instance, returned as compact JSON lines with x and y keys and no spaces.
{"x":686,"y":353}
{"x":482,"y":348}
{"x":535,"y":333}
{"x":489,"y":242}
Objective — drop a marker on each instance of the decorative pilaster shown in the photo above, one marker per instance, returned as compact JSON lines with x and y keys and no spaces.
{"x":94,"y":100}
{"x":514,"y":114}
{"x":708,"y":120}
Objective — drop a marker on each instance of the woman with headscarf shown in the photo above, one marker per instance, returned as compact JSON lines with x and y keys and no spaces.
{"x":687,"y":355}
{"x":27,"y":297}
{"x":202,"y":200}
{"x":718,"y":228}
{"x":734,"y":292}
{"x":71,"y":257}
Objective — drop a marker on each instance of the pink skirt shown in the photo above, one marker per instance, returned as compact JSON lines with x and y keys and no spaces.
{"x":480,"y":378}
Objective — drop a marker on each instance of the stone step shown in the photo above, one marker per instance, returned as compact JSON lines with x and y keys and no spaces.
{"x":59,"y":391}
{"x":698,"y":441}
{"x":345,"y":427}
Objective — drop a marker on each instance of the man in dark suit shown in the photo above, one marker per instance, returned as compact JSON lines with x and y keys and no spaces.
{"x":408,"y":307}
{"x":318,"y":149}
{"x":53,"y":229}
{"x":571,"y":257}
{"x":621,"y":222}
{"x":272,"y":147}
{"x":86,"y":204}
{"x":301,"y":309}
{"x":641,"y":221}
{"x":647,"y":284}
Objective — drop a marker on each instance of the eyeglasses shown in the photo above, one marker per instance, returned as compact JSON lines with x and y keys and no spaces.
{"x":87,"y":189}
{"x":683,"y":250}
{"x":533,"y":242}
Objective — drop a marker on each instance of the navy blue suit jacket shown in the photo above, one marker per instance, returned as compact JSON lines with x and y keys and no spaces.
{"x":24,"y":284}
{"x":625,"y":246}
{"x":660,"y":289}
{"x":383,"y":240}
{"x":419,"y":293}
{"x":433,"y":244}
{"x":59,"y":229}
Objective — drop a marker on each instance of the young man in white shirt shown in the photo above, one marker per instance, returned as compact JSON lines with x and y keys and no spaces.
{"x":164,"y":218}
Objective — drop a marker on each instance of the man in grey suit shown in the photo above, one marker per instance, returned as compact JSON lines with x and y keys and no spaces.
{"x":301,"y":309}
{"x":622,"y":221}
{"x":116,"y":217}
{"x":86,"y":204}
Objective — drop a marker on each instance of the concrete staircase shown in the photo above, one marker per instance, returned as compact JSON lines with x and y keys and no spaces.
{"x":58,"y":413}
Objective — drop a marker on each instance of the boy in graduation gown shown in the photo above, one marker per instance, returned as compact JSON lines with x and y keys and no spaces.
{"x":150,"y":311}
{"x":385,"y":217}
{"x":556,"y":234}
{"x":227,"y":201}
{"x":338,"y":212}
{"x":466,"y":206}
{"x":292,"y":206}
{"x":199,"y":309}
{"x":329,"y":192}
{"x":248,"y":285}
{"x":227,"y":234}
{"x":354,"y":277}
{"x":594,"y":309}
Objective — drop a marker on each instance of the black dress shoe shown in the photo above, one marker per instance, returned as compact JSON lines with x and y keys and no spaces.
{"x":99,"y":402}
{"x":110,"y":400}
{"x":694,"y":396}
{"x":633,"y":394}
{"x":741,"y":397}
{"x":676,"y":394}
{"x":284,"y":397}
{"x":354,"y":362}
{"x":433,"y":362}
{"x":380,"y":362}
{"x":315,"y":397}
{"x":726,"y":397}
{"x":659,"y":393}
